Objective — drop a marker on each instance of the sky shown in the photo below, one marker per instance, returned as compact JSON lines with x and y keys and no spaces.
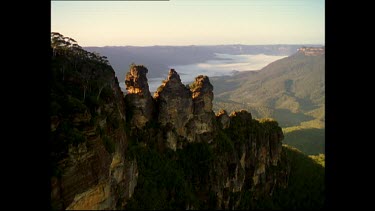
{"x":190,"y":22}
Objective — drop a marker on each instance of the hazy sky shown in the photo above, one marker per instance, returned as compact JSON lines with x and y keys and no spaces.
{"x":190,"y":22}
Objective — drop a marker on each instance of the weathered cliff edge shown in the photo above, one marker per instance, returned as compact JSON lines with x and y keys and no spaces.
{"x":88,"y":140}
{"x":97,"y":173}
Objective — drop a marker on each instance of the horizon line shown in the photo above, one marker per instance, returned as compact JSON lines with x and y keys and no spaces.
{"x":197,"y":45}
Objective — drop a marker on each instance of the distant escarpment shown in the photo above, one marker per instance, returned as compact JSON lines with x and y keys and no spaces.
{"x":169,"y":151}
{"x":312,"y":51}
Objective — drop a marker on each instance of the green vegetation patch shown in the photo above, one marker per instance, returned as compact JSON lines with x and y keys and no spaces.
{"x":310,"y":141}
{"x":170,"y":180}
{"x":306,"y":186}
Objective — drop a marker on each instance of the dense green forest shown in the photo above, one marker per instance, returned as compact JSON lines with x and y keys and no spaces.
{"x":169,"y":180}
{"x":291,"y":90}
{"x":306,"y":185}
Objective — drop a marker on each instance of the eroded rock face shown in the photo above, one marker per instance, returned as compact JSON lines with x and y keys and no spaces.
{"x":138,"y":98}
{"x":252,"y":163}
{"x":223,"y":119}
{"x":256,"y":156}
{"x":187,"y":111}
{"x":203,"y":95}
{"x":136,"y":80}
{"x":96,"y":198}
{"x":89,"y":165}
{"x":175,"y":106}
{"x":202,"y":127}
{"x":92,"y":178}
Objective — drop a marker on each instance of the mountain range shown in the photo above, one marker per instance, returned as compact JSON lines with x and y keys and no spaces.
{"x":160,"y":58}
{"x":291,"y":90}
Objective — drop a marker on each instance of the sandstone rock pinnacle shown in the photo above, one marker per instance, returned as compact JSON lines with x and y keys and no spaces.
{"x":138,"y":97}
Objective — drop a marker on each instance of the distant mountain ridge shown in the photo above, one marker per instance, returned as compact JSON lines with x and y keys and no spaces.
{"x":291,"y":90}
{"x":312,"y":51}
{"x":161,"y":58}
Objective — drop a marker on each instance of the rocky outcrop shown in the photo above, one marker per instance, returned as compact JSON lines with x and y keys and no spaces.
{"x":175,"y":108}
{"x":202,"y":95}
{"x":185,"y":112}
{"x":223,"y":119}
{"x":185,"y":115}
{"x":202,"y":126}
{"x":138,"y":98}
{"x":253,"y":162}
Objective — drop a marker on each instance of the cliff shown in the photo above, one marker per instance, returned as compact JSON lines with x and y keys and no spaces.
{"x":88,"y":143}
{"x":169,"y":151}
